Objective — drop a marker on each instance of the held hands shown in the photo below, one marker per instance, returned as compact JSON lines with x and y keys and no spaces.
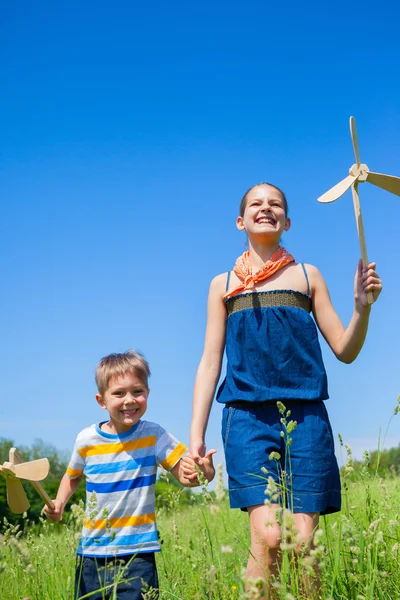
{"x":54,"y":514}
{"x":366,"y":280}
{"x":190,"y":467}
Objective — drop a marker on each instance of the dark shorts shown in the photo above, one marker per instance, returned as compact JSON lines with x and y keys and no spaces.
{"x":131,"y":571}
{"x":251,"y":431}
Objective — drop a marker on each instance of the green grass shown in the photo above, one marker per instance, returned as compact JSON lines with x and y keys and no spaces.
{"x":205,"y":550}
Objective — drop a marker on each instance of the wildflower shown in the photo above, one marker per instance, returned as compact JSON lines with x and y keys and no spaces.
{"x":219,"y":487}
{"x":214,"y":509}
{"x":175,"y":529}
{"x":318,"y":537}
{"x":92,"y":508}
{"x":272,"y":491}
{"x":281,"y":407}
{"x":204,"y":486}
{"x":274,"y":456}
{"x":256,"y":589}
{"x":349,"y":468}
{"x":374,"y":525}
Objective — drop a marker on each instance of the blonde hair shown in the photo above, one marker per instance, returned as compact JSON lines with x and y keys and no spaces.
{"x":116,"y":364}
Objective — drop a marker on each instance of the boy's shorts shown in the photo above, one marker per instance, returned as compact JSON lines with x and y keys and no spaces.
{"x":251,"y":431}
{"x":92,"y":574}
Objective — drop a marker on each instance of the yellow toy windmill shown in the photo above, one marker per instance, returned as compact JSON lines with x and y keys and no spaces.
{"x":359,"y":173}
{"x":33,"y":471}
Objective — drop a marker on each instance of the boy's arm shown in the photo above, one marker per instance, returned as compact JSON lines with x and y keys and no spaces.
{"x":185,"y":470}
{"x":65,"y":491}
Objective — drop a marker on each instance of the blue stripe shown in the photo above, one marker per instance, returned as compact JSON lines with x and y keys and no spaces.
{"x":120,"y":486}
{"x":135,"y":539}
{"x":142,"y":549}
{"x":116,"y":467}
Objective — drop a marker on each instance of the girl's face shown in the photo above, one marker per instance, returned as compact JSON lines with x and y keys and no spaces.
{"x":264,"y":215}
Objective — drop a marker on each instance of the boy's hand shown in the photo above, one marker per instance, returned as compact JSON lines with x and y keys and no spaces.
{"x":189,"y":467}
{"x":54,"y":514}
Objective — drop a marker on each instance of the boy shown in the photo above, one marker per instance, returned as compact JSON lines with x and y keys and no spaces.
{"x":119,"y":458}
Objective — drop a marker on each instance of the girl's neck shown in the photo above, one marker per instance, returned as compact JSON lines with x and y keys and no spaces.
{"x":260,"y":253}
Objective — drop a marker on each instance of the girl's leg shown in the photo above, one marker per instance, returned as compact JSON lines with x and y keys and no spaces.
{"x":265,"y":542}
{"x":306,"y":525}
{"x":265,"y":546}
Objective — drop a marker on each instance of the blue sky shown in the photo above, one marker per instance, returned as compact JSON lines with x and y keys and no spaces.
{"x":129,"y":133}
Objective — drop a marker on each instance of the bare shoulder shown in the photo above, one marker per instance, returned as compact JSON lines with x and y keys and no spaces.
{"x":218,"y":284}
{"x":317,"y":282}
{"x":313,"y":272}
{"x":311,"y":269}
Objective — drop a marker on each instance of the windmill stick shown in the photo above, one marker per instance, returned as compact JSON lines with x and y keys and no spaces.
{"x":360,"y":230}
{"x":15,"y":458}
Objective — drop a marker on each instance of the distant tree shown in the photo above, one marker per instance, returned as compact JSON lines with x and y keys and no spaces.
{"x":383,"y":462}
{"x":386,"y":461}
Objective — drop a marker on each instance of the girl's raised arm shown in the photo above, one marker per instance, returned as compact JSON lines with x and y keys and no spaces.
{"x":209,"y":368}
{"x":345,"y":343}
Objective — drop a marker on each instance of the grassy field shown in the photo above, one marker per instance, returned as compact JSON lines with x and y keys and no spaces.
{"x":205,"y":549}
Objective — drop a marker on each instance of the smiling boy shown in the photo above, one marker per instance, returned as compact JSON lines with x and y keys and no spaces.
{"x":119,"y":459}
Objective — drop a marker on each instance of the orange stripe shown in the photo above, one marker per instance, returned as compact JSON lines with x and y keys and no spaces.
{"x":173,"y":458}
{"x":121,"y":522}
{"x":73,"y":473}
{"x":118,"y":447}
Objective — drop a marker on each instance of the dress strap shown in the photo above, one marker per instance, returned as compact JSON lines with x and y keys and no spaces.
{"x":228,"y":276}
{"x":306,"y":276}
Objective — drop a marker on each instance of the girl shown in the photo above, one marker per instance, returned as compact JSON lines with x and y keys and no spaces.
{"x":260,"y":313}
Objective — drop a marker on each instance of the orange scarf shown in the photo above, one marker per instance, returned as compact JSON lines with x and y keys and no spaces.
{"x":243,"y":269}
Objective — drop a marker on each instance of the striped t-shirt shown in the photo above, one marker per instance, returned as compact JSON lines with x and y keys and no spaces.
{"x":120,"y":471}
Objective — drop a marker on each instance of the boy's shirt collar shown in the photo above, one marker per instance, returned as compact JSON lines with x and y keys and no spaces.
{"x":116,"y":436}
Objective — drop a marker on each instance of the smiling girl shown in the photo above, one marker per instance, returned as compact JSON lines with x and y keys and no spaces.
{"x":261,"y":314}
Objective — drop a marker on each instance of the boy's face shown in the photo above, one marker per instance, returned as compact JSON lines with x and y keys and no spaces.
{"x":125,"y":399}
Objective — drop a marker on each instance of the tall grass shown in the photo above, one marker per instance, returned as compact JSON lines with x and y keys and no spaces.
{"x":205,"y":549}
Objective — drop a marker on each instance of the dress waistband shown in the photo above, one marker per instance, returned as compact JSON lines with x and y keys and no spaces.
{"x":286,"y":403}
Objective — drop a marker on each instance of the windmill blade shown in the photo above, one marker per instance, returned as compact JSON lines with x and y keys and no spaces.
{"x":35,"y":470}
{"x":338,"y":190}
{"x":386,"y":182}
{"x":354,"y":139}
{"x":16,"y":497}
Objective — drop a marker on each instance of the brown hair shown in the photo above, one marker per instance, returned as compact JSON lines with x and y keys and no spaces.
{"x":114,"y":365}
{"x":244,"y":199}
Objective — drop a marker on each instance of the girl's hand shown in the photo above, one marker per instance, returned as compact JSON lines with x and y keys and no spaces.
{"x":54,"y":514}
{"x":207,"y":468}
{"x":189,"y":467}
{"x":197,"y":451}
{"x":366,"y":280}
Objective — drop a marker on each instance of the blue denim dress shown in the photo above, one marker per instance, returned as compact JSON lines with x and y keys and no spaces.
{"x":273,"y":353}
